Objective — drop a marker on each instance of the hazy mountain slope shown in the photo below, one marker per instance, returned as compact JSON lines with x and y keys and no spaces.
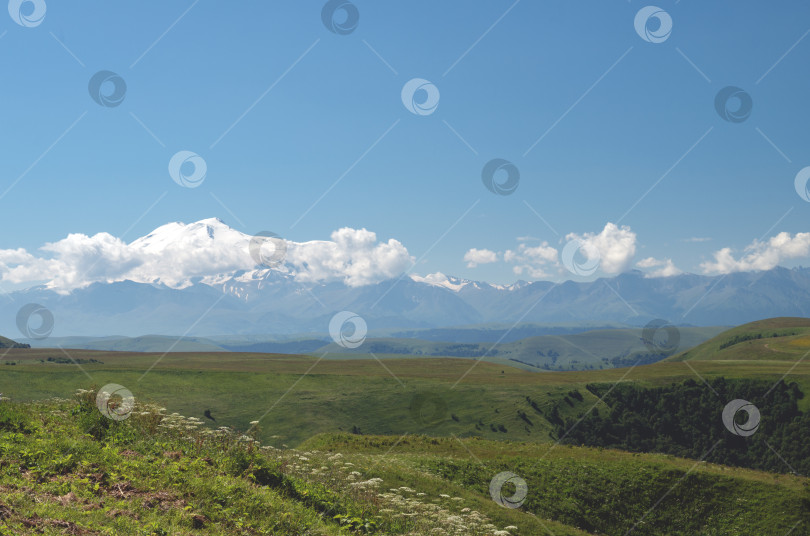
{"x":595,"y":349}
{"x":145,"y":343}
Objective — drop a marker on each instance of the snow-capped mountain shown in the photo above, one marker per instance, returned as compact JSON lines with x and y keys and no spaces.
{"x":200,"y":279}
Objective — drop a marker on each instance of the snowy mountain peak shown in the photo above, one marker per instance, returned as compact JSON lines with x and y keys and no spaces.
{"x":438,"y":279}
{"x":198,"y":234}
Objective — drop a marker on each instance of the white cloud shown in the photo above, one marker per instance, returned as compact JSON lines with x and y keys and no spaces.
{"x":73,"y":261}
{"x":760,"y":255}
{"x":474,"y":257}
{"x":353,"y":256}
{"x":616,"y":246}
{"x":663,"y":267}
{"x":175,"y":253}
{"x":534,"y":261}
{"x":696,"y":239}
{"x":649,"y":262}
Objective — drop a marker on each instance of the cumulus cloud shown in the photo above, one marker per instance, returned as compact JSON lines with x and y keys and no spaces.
{"x":176,"y":253}
{"x":353,"y":256}
{"x":533,"y":261}
{"x":662,"y":267}
{"x":760,"y":255}
{"x":474,"y":257}
{"x":616,"y":246}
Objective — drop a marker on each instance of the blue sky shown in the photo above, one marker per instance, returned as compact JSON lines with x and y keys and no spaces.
{"x":615,"y":113}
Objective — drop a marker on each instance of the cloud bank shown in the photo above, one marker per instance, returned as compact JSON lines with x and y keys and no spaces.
{"x":474,"y":257}
{"x":760,"y":255}
{"x":615,"y":245}
{"x":176,"y":253}
{"x":661,"y":267}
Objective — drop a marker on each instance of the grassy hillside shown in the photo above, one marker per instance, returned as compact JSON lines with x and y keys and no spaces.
{"x":8,"y":343}
{"x":67,"y":469}
{"x":608,"y":491}
{"x":774,"y":339}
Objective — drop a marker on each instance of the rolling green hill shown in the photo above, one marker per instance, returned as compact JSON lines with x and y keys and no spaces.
{"x":8,"y":343}
{"x":773,"y":339}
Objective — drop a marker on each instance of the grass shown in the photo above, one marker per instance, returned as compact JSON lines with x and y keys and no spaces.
{"x":302,"y":396}
{"x":773,"y":339}
{"x":432,"y":426}
{"x":67,"y":469}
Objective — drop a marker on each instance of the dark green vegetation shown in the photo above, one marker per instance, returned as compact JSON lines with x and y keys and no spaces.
{"x":681,"y":419}
{"x":441,"y":417}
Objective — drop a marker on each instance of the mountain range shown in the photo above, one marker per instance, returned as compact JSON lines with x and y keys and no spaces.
{"x":272,"y":303}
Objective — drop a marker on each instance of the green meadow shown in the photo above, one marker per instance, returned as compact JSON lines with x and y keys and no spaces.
{"x":439,"y":427}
